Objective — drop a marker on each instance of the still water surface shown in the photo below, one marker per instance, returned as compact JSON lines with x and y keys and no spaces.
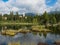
{"x":30,"y":38}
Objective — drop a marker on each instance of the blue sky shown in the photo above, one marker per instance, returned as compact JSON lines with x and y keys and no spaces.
{"x":51,"y":2}
{"x":34,"y":6}
{"x":5,"y":0}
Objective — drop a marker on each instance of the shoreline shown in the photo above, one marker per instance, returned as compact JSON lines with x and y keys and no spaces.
{"x":14,"y":32}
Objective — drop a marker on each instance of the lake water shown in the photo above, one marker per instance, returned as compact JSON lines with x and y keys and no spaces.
{"x":30,"y":38}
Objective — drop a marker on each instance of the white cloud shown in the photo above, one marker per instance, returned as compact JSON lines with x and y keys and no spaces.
{"x":36,"y":6}
{"x":14,"y":9}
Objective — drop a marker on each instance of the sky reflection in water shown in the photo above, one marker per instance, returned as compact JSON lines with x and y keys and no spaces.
{"x":30,"y":38}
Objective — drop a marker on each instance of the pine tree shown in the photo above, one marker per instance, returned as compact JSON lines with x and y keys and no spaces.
{"x":45,"y":18}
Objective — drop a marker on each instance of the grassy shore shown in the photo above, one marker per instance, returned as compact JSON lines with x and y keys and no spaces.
{"x":34,"y":29}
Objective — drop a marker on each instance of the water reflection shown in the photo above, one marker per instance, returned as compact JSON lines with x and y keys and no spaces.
{"x":30,"y":38}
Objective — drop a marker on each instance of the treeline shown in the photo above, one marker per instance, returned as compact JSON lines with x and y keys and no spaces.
{"x":45,"y":18}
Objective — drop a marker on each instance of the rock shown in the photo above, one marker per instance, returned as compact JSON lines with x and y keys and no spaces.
{"x":57,"y":42}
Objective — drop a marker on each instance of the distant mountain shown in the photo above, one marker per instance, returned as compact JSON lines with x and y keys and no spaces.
{"x":30,"y":14}
{"x":54,"y":12}
{"x":33,"y":14}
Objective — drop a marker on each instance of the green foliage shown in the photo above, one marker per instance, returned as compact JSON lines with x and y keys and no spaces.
{"x":55,"y":29}
{"x":53,"y":20}
{"x":0,"y":17}
{"x":45,"y":18}
{"x":58,"y":27}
